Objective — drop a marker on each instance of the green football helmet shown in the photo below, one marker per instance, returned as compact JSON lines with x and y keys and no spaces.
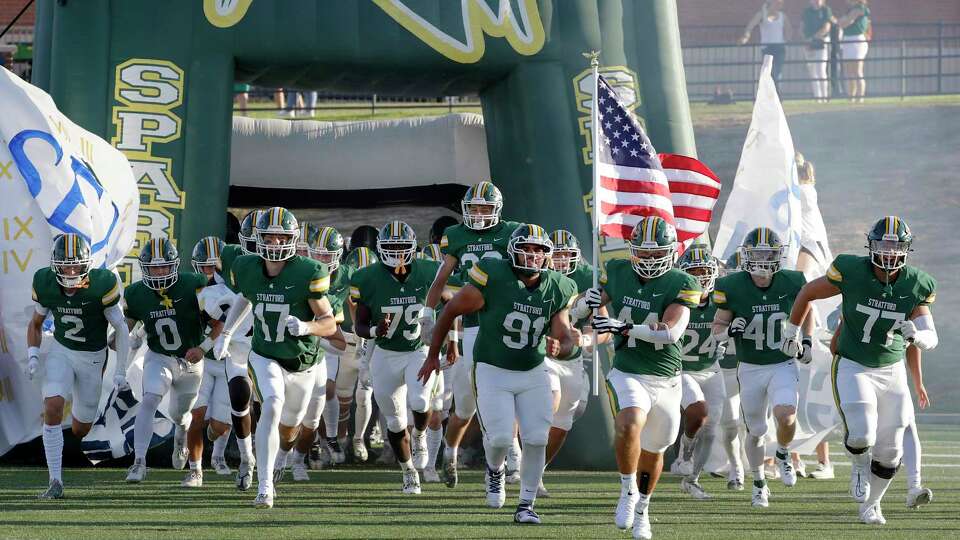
{"x":206,"y":255}
{"x":566,"y":251}
{"x":700,"y":263}
{"x":653,"y":247}
{"x":361,"y":257}
{"x":431,"y":252}
{"x":889,"y":243}
{"x":522,"y":248}
{"x":277,"y":234}
{"x":327,"y":248}
{"x":159,"y":264}
{"x":761,"y":253}
{"x":248,"y":232}
{"x":481,"y":206}
{"x":308,"y":235}
{"x":733,"y":263}
{"x":397,"y":245}
{"x":71,"y":259}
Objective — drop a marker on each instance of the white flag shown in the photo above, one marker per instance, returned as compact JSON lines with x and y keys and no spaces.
{"x":766,"y":192}
{"x":54,"y":177}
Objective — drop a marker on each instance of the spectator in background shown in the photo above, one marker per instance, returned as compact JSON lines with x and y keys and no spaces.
{"x":856,"y":40}
{"x":816,"y":31}
{"x":774,"y":34}
{"x":241,"y":96}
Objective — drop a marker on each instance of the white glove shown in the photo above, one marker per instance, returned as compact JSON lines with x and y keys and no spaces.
{"x":221,"y":344}
{"x":593,"y":297}
{"x":720,"y":351}
{"x":427,"y":322}
{"x":296,"y":327}
{"x":909,"y":330}
{"x":120,"y":380}
{"x":806,"y":352}
{"x":607,"y":325}
{"x":33,"y":366}
{"x":791,"y":340}
{"x":736,"y":327}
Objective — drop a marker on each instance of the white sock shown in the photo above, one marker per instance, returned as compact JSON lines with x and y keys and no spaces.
{"x":434,"y":437}
{"x":281,"y":459}
{"x":361,"y":416}
{"x":628,"y":483}
{"x":911,"y":456}
{"x":643,"y":502}
{"x":701,"y":450}
{"x":496,"y":455}
{"x":754,"y":450}
{"x":268,"y":443}
{"x":513,"y":455}
{"x":220,"y":445}
{"x":195,"y":465}
{"x":245,"y":446}
{"x":862,"y":459}
{"x":878,"y":486}
{"x":407,"y":465}
{"x":143,"y":425}
{"x":532,"y":462}
{"x":331,"y":417}
{"x":731,"y":445}
{"x":296,"y":458}
{"x":450,"y":454}
{"x":53,"y":449}
{"x":686,"y":447}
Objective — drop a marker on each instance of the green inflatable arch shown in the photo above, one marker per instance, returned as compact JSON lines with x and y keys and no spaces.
{"x":156,"y":78}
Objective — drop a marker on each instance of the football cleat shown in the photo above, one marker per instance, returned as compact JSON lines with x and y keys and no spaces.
{"x":787,"y":473}
{"x":694,"y":489}
{"x":411,"y":482}
{"x":626,"y":507}
{"x":278,"y":473}
{"x":263,"y":500}
{"x":871,"y":514}
{"x":299,"y":471}
{"x":735,"y":484}
{"x":822,"y":472}
{"x":917,"y":497}
{"x":194,"y":479}
{"x":526,"y":515}
{"x":220,"y":465}
{"x":360,"y":451}
{"x":376,"y":436}
{"x":316,"y":457}
{"x":859,"y":483}
{"x":431,"y":476}
{"x":137,"y":472}
{"x":335,"y":451}
{"x":496,"y":494}
{"x":179,"y":458}
{"x":542,"y":491}
{"x":450,"y":476}
{"x":641,"y":525}
{"x":244,"y":476}
{"x":512,"y":477}
{"x":53,"y":491}
{"x":386,"y":456}
{"x":761,"y":497}
{"x":418,"y":450}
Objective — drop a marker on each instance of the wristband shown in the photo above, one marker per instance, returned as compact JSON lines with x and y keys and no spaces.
{"x":206,"y":345}
{"x":33,"y":352}
{"x":790,"y":329}
{"x":453,"y":335}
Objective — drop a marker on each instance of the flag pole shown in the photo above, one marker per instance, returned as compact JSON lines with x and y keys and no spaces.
{"x":594,"y":57}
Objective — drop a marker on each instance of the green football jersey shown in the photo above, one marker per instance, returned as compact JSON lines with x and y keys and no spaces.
{"x":515,"y":320}
{"x":275,"y":298}
{"x":765,"y":311}
{"x":634,"y":301}
{"x":339,"y":289}
{"x":78,"y":320}
{"x":582,"y":276}
{"x":171,"y":318}
{"x":228,"y":255}
{"x":377,"y":288}
{"x":873,"y":312}
{"x":469,"y":246}
{"x":698,"y":344}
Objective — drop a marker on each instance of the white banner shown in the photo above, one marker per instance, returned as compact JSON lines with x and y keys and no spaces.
{"x":54,"y":177}
{"x":766,"y":192}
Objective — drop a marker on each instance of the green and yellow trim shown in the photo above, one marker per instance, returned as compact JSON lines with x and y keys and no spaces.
{"x":478,"y":275}
{"x":834,"y":368}
{"x":256,"y":385}
{"x":320,"y":285}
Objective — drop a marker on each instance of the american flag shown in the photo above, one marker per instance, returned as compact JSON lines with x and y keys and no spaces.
{"x":634,"y":182}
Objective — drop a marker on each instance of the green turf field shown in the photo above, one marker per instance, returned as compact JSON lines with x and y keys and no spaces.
{"x":353,"y":503}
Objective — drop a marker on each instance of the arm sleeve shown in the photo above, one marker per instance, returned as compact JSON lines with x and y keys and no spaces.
{"x":237,"y":313}
{"x":114,"y":314}
{"x":671,"y":335}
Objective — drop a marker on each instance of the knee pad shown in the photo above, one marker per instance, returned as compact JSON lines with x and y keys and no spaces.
{"x":240,"y":392}
{"x":395,"y":424}
{"x":562,"y":421}
{"x":883,"y":471}
{"x":500,"y":440}
{"x":151,"y":400}
{"x":857,"y":444}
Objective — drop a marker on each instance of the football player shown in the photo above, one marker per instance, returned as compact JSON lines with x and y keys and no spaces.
{"x":568,"y":379}
{"x":287,"y":295}
{"x":652,"y":302}
{"x":166,"y":301}
{"x":212,"y":407}
{"x":326,"y":247}
{"x":523,"y":310}
{"x":726,"y":353}
{"x":83,"y":302}
{"x":885,"y":306}
{"x":701,"y":382}
{"x":482,"y":235}
{"x":751,"y":307}
{"x":389,"y":297}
